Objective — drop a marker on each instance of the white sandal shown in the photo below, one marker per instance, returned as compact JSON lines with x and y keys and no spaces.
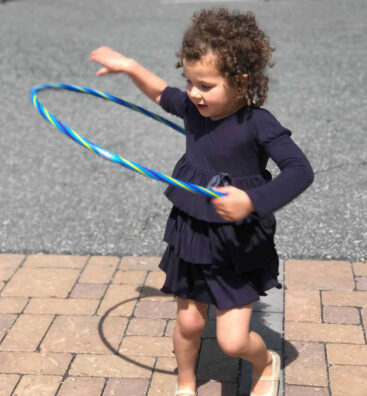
{"x":273,"y":391}
{"x":184,"y":392}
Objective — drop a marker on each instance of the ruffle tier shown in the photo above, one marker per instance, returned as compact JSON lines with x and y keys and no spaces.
{"x":243,"y":247}
{"x":199,"y":206}
{"x":219,"y":286}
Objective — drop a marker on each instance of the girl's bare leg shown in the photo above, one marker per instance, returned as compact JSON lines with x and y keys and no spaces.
{"x":236,"y":339}
{"x":190,"y":322}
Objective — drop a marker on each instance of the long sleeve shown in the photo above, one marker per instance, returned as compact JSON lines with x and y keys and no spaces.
{"x":174,"y":101}
{"x":296,"y":172}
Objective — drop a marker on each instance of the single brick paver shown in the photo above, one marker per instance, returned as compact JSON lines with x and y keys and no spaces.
{"x":360,"y":269}
{"x":302,"y":305}
{"x":99,"y":326}
{"x":355,"y":355}
{"x":12,"y":304}
{"x":348,"y":380}
{"x":126,"y":277}
{"x":113,"y":366}
{"x":55,"y":261}
{"x":6,"y":321}
{"x":82,"y":386}
{"x":305,"y":363}
{"x":344,"y":298}
{"x":99,"y":269}
{"x":292,"y":390}
{"x":41,"y":282}
{"x":126,"y":387}
{"x":323,"y":332}
{"x":88,"y":290}
{"x":139,"y":263}
{"x":8,"y":383}
{"x":26,"y":333}
{"x":34,"y":363}
{"x":157,"y":309}
{"x":341,"y":315}
{"x":361,"y":282}
{"x":38,"y":385}
{"x":317,"y":275}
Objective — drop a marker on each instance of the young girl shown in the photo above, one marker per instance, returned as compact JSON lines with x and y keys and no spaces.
{"x":221,"y":251}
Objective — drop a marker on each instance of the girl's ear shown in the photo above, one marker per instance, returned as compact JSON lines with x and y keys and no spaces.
{"x":245,"y":82}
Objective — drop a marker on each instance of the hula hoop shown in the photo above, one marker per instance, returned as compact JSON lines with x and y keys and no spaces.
{"x":108,"y":155}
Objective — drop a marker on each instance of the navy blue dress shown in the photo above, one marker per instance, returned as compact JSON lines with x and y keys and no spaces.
{"x":209,"y":259}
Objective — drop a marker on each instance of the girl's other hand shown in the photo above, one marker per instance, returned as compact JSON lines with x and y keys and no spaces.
{"x":235,"y":206}
{"x":112,"y":61}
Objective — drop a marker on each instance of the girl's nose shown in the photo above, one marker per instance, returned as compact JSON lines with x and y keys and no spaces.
{"x":195,"y":93}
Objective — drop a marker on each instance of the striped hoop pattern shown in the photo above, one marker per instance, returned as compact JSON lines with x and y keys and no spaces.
{"x":194,"y":188}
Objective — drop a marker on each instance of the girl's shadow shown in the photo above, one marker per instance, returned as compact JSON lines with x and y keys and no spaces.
{"x":213,"y":366}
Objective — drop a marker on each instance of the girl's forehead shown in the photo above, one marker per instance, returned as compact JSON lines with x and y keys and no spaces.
{"x":206,"y":65}
{"x":208,"y":58}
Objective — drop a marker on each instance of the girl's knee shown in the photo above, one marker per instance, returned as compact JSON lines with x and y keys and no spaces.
{"x":190,"y":324}
{"x":191,"y":318}
{"x":233,"y":346}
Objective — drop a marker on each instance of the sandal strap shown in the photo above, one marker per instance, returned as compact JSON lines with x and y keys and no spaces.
{"x":185,"y":392}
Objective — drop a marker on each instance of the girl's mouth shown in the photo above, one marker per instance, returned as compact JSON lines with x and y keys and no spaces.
{"x":201,"y":106}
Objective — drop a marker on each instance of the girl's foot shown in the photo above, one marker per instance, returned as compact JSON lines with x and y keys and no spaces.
{"x":266,"y":383}
{"x":182,"y":390}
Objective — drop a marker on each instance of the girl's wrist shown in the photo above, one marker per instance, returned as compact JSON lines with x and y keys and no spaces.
{"x":130,"y":66}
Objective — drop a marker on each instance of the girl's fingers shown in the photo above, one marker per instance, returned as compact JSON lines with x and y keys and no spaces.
{"x":97,"y":53}
{"x":93,"y":54}
{"x":224,"y":189}
{"x":102,"y":71}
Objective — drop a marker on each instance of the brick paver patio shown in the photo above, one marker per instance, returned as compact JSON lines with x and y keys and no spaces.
{"x":325,"y":328}
{"x":99,"y":326}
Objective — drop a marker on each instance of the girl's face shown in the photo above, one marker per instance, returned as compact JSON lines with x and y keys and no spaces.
{"x":208,"y":89}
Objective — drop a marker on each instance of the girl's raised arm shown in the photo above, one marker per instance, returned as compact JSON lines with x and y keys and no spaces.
{"x":114,"y":62}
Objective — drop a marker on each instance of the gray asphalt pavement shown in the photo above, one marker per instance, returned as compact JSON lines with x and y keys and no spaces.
{"x":59,"y":198}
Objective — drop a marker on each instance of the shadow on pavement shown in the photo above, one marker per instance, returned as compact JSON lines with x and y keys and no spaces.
{"x":213,"y":366}
{"x":148,"y":291}
{"x":270,"y":327}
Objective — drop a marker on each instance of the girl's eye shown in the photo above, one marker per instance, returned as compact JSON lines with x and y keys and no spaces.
{"x":205,"y":87}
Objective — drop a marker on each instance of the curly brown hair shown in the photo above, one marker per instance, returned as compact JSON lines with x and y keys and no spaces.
{"x":239,"y":45}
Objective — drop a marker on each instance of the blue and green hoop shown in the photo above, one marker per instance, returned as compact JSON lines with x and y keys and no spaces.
{"x":108,"y":154}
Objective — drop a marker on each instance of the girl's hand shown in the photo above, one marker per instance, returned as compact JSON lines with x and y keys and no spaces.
{"x":235,"y":206}
{"x":112,"y":61}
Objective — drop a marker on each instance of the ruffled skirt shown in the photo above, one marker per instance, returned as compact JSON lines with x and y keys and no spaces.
{"x":225,"y":264}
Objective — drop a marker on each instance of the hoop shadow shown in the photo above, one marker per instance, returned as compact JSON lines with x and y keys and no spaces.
{"x":148,"y":292}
